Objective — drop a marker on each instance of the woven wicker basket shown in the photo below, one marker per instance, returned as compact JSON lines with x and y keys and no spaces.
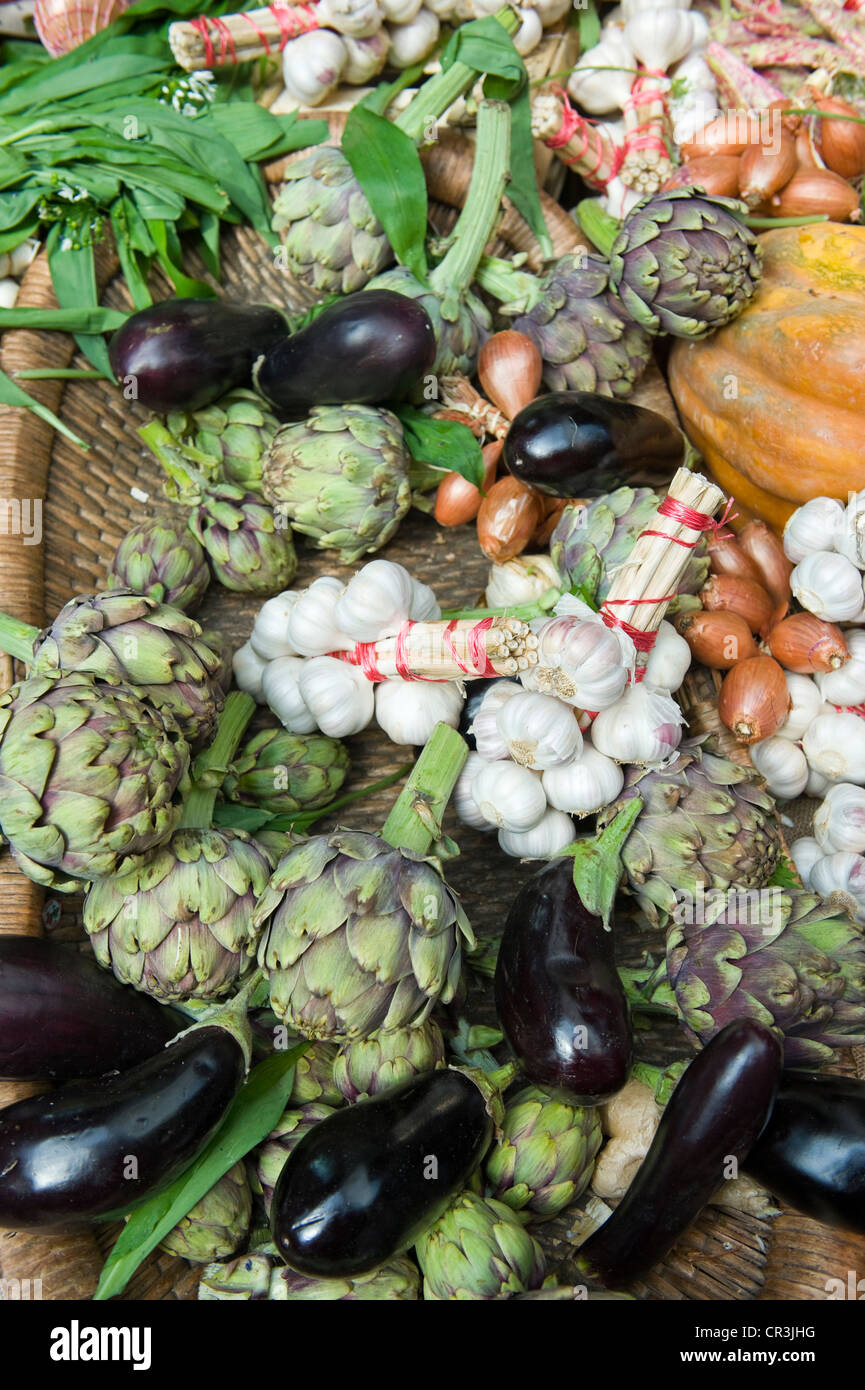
{"x":88,"y":506}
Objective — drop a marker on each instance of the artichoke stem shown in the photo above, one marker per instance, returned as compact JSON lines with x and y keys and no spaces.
{"x":232,"y":1016}
{"x":211,"y":766}
{"x":597,"y":862}
{"x":518,"y":289}
{"x":599,"y":226}
{"x":647,"y":989}
{"x":444,"y":88}
{"x":476,"y":222}
{"x":415,"y":821}
{"x":17,"y":639}
{"x":179,"y":461}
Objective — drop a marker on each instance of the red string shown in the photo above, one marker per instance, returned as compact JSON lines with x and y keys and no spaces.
{"x":477,"y":650}
{"x":227,"y":51}
{"x":262,"y":37}
{"x":400,"y":660}
{"x":643,"y":641}
{"x":572,"y":122}
{"x":200,"y":24}
{"x":293,"y":20}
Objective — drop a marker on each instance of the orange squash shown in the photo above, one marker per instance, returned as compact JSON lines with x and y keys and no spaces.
{"x":775,"y":402}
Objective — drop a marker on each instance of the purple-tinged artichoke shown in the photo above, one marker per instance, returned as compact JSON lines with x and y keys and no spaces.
{"x":269,"y":1158}
{"x":543,"y":1158}
{"x":162,"y":559}
{"x":218,"y":1223}
{"x":374,"y":1064}
{"x":478,"y":1249}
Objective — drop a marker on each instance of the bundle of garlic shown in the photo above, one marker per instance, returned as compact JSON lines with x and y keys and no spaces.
{"x":826,"y":543}
{"x":832,"y":861}
{"x":12,"y":266}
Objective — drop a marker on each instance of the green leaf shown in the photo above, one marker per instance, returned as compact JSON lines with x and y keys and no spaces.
{"x":10,"y":394}
{"x":73,"y":276}
{"x":597,"y":861}
{"x":588,"y":24}
{"x":785,"y":875}
{"x":445,"y":444}
{"x":208,"y":228}
{"x":387,"y":166}
{"x":62,"y":80}
{"x":169,"y":255}
{"x":13,"y":166}
{"x":133,"y":273}
{"x":253,"y":1115}
{"x":82,"y":320}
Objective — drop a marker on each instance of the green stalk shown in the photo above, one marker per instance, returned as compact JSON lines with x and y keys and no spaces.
{"x":415,"y":820}
{"x":17,"y":639}
{"x":442,"y":90}
{"x":600,"y":227}
{"x":189,"y":470}
{"x":647,"y":989}
{"x":59,"y":374}
{"x":538,"y":608}
{"x":597,"y":862}
{"x":210,"y":767}
{"x":770,"y":222}
{"x":476,"y":222}
{"x":519,"y":290}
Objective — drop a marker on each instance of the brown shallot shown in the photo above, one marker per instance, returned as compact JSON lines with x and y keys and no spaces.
{"x":509,"y":370}
{"x":766,"y":552}
{"x":717,"y":639}
{"x":842,"y":137}
{"x":806,"y":644}
{"x":743,"y":596}
{"x":811,"y":192}
{"x":717,"y":175}
{"x":508,"y":517}
{"x":764,"y":168}
{"x":754,"y":699}
{"x":458,"y":500}
{"x":727,"y":557}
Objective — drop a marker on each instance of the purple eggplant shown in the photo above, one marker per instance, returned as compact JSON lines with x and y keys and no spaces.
{"x":63,"y":1016}
{"x":558,"y":995}
{"x":100,"y":1148}
{"x":368,"y":348}
{"x":183,"y":354}
{"x":812,"y":1151}
{"x":579,"y":444}
{"x":364,"y":1183}
{"x":715,"y":1115}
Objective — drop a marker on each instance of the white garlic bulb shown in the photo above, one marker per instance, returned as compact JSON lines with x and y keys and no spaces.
{"x":375,"y":602}
{"x":312,"y":66}
{"x":645,"y":726}
{"x":488,"y":740}
{"x":411,"y":43}
{"x":530,"y":32}
{"x":538,"y":730}
{"x":312,"y":626}
{"x":424,"y":606}
{"x":691,"y":113}
{"x":365,"y":58}
{"x":602,"y":78}
{"x":631,"y":7}
{"x":249,"y":668}
{"x":782,"y":764}
{"x":817,"y":785}
{"x":839,"y":821}
{"x":669,"y":660}
{"x":842,"y":876}
{"x":552,"y":833}
{"x":834,"y":744}
{"x":8,"y":293}
{"x":269,"y":637}
{"x":580,"y":659}
{"x":694,"y":75}
{"x":828,"y":586}
{"x":659,"y":38}
{"x":813,"y":526}
{"x":358,"y":18}
{"x":408,"y":711}
{"x":509,"y":796}
{"x":521,"y":580}
{"x":850,"y":542}
{"x":585,"y":784}
{"x":806,"y":700}
{"x":281,"y":688}
{"x":338,"y":696}
{"x":400,"y":11}
{"x":846,"y":686}
{"x":618,"y":199}
{"x":805,"y":852}
{"x":463,"y":801}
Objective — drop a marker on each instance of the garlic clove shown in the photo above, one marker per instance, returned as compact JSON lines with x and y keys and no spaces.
{"x":644,"y":726}
{"x":828,"y":585}
{"x":805,"y":701}
{"x":552,"y":833}
{"x":376,"y":601}
{"x":585,"y":784}
{"x":408,"y":711}
{"x":521,"y":580}
{"x":467,"y":809}
{"x":312,"y":626}
{"x":782,"y":765}
{"x":669,"y":660}
{"x":509,"y":796}
{"x":841,"y":877}
{"x":338,"y":696}
{"x":269,"y":637}
{"x":413,"y":42}
{"x":312,"y":65}
{"x":805,"y":853}
{"x":281,"y":690}
{"x":424,"y":606}
{"x":538,"y":731}
{"x":845,"y":685}
{"x":813,"y":526}
{"x":489,"y":742}
{"x":839,"y":821}
{"x":817,"y":784}
{"x":249,"y":670}
{"x":834,"y":745}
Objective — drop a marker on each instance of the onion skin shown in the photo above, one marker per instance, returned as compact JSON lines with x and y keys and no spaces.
{"x":727,"y":557}
{"x":842,"y":142}
{"x":806,"y":155}
{"x":815,"y":191}
{"x":754,"y":700}
{"x":716,"y":138}
{"x":805,"y":644}
{"x":553,"y":508}
{"x":458,"y":500}
{"x":509,"y":370}
{"x":763,"y":170}
{"x":717,"y":175}
{"x":743,"y":596}
{"x":766,"y":552}
{"x":508,"y":517}
{"x":715,"y":637}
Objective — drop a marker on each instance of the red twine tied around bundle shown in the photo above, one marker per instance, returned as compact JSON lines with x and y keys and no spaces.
{"x":227,"y":53}
{"x":573,"y":122}
{"x":292,"y":20}
{"x":363,"y":654}
{"x":645,"y":136}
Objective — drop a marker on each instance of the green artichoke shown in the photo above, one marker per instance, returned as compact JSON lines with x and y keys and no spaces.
{"x":478,"y":1249}
{"x":374,"y":1064}
{"x":685,"y":263}
{"x":246,"y":1278}
{"x":162,"y":559}
{"x":398,"y":1279}
{"x":341,"y":477}
{"x":285,"y":773}
{"x":544,"y":1156}
{"x":591,"y":542}
{"x":362,"y":937}
{"x":217,"y":1224}
{"x":129,"y":639}
{"x":706,"y":823}
{"x":248,"y":550}
{"x":782,"y":957}
{"x":314,"y":1078}
{"x":333,"y":242}
{"x":269,"y":1158}
{"x":583,"y":334}
{"x":231,"y":438}
{"x":91,"y":778}
{"x":179,"y":926}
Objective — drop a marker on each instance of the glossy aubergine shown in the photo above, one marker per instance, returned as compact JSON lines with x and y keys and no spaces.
{"x":183,"y":354}
{"x":63,"y":1016}
{"x":368,"y":348}
{"x":812,"y":1151}
{"x":98,"y":1148}
{"x":715,"y":1114}
{"x":364,"y":1183}
{"x":558,"y":995}
{"x":579,"y":444}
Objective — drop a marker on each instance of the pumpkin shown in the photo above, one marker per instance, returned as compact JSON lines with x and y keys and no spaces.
{"x":775,"y":401}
